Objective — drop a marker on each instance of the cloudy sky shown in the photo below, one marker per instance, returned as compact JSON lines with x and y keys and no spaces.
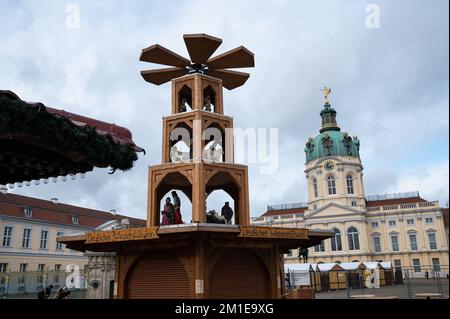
{"x":390,"y":84}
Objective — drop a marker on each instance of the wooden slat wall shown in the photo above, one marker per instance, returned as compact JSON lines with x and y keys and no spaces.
{"x":239,"y":274}
{"x":157,"y":276}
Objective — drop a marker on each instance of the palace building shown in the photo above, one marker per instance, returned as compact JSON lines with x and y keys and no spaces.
{"x":29,"y":227}
{"x":404,"y":229}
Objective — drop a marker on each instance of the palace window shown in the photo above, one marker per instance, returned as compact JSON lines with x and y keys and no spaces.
{"x":7,"y":234}
{"x":349,"y":184}
{"x":28,"y":211}
{"x":320,"y":248}
{"x":416,"y":264}
{"x":316,"y":188}
{"x":336,"y":242}
{"x":436,"y":264}
{"x":74,"y":219}
{"x":59,"y":246}
{"x":377,"y":244}
{"x":353,"y":238}
{"x":413,"y":241}
{"x":26,"y":238}
{"x":429,"y":220}
{"x":57,"y":273}
{"x":374,"y":224}
{"x":394,"y":241}
{"x":3,"y":267}
{"x":392,"y":223}
{"x":21,"y":279}
{"x":410,"y":221}
{"x":432,"y":240}
{"x":398,"y":264}
{"x":44,"y":239}
{"x":331,"y":185}
{"x":40,"y":277}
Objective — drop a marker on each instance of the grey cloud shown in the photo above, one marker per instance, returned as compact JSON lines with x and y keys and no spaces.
{"x":390,"y":85}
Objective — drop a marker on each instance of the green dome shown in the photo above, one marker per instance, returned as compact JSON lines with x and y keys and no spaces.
{"x":331,"y":141}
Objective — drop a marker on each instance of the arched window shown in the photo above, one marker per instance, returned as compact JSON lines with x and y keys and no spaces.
{"x":331,"y":185}
{"x":316,"y":189}
{"x":353,"y":239}
{"x":350,"y":184}
{"x":336,"y":242}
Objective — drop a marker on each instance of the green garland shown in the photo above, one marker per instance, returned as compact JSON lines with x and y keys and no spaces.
{"x":16,"y":117}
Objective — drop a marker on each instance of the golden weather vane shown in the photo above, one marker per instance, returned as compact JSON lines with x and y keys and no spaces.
{"x":326,"y":92}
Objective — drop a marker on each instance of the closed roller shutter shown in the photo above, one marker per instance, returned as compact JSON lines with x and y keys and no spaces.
{"x":239,"y":274}
{"x":157,"y":276}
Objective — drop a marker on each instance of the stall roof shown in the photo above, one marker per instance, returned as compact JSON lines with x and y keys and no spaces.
{"x":372,"y":265}
{"x":352,"y":266}
{"x":386,"y":265}
{"x":299,"y":267}
{"x":39,"y":142}
{"x":329,"y":267}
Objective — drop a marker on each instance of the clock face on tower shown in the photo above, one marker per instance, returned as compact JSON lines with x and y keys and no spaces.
{"x":329,"y":165}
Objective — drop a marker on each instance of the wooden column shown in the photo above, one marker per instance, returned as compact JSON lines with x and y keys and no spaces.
{"x":229,"y":144}
{"x":198,"y":195}
{"x":197,"y":138}
{"x":199,"y":269}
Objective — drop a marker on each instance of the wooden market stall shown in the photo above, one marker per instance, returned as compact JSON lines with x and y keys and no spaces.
{"x":389,"y":275}
{"x":300,"y":275}
{"x":354,"y":273}
{"x":332,"y":276}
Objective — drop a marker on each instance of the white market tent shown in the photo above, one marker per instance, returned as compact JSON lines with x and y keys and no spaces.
{"x":328,"y":267}
{"x":352,"y":266}
{"x":372,"y":265}
{"x":298,"y":267}
{"x":386,"y":265}
{"x":299,"y":274}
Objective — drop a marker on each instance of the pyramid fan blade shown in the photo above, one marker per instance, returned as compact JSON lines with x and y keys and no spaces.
{"x":201,"y":46}
{"x":230,"y":79}
{"x":236,"y":58}
{"x":160,"y":76}
{"x":160,"y":55}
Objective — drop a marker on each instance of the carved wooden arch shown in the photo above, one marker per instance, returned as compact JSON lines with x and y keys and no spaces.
{"x":179,"y":86}
{"x":186,"y":172}
{"x":216,"y":87}
{"x":169,"y":125}
{"x":187,"y":190}
{"x":173,"y":123}
{"x":211,"y":172}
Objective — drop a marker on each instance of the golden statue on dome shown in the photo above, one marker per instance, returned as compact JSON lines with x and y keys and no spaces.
{"x":326,"y":92}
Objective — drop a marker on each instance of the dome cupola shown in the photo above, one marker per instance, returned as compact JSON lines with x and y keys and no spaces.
{"x":331,"y":141}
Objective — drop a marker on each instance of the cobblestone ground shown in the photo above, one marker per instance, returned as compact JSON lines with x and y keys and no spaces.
{"x":400,"y":291}
{"x":75,"y":294}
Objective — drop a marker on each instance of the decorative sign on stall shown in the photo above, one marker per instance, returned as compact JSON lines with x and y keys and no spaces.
{"x":273,"y":232}
{"x":122,"y":235}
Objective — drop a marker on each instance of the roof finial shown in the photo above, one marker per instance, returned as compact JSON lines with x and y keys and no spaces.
{"x":326,"y":92}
